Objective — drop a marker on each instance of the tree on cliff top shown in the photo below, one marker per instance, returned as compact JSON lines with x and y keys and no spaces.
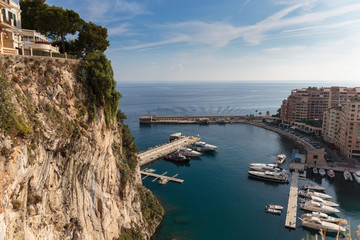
{"x":57,"y":22}
{"x":30,"y":12}
{"x":91,"y":37}
{"x":100,"y":77}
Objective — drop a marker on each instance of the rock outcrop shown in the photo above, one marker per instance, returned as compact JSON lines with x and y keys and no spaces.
{"x":63,"y":176}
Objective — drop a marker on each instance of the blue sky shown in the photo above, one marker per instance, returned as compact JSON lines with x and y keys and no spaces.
{"x":228,"y":40}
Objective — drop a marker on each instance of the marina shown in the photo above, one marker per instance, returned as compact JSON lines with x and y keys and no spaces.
{"x":162,"y":176}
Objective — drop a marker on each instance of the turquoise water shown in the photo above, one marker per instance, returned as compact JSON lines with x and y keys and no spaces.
{"x":217,"y":199}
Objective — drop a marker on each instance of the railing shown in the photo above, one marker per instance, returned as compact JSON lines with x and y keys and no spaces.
{"x":42,"y":46}
{"x":5,"y":50}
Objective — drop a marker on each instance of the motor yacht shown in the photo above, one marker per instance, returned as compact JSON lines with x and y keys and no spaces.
{"x":357,"y":176}
{"x":313,"y":187}
{"x":266,"y":167}
{"x":270,"y":176}
{"x":318,"y":207}
{"x":188,"y":152}
{"x":316,"y":194}
{"x":203,"y":147}
{"x":325,"y":217}
{"x":320,"y":200}
{"x":348,"y":176}
{"x":273,"y":210}
{"x":280,"y":159}
{"x":177,"y":157}
{"x":316,"y":223}
{"x":278,"y":207}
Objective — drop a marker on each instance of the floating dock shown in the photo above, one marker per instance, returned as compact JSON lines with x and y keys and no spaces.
{"x":290,"y":221}
{"x":165,"y":149}
{"x":157,"y":176}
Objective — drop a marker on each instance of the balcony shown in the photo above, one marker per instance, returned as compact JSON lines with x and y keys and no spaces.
{"x":5,"y":4}
{"x":6,"y":22}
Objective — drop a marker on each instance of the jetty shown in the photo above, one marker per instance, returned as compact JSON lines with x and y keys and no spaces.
{"x":199,"y":119}
{"x":155,"y":153}
{"x":290,"y":221}
{"x":162,"y":176}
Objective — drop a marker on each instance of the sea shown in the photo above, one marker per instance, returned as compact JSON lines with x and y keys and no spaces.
{"x":217,"y":199}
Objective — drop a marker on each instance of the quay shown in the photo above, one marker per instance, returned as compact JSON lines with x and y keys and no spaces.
{"x":198,"y":119}
{"x":290,"y":221}
{"x":157,"y":176}
{"x":165,"y":149}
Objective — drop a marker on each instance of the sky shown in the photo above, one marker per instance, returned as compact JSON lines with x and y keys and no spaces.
{"x":228,"y":40}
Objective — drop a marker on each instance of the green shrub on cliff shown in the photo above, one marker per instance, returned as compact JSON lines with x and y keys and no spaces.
{"x":99,"y":74}
{"x":11,"y":122}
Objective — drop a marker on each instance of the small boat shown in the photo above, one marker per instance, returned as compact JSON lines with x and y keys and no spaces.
{"x":149,"y":170}
{"x":177,"y":157}
{"x":347,"y":176}
{"x":331,"y":174}
{"x":277,"y":207}
{"x":317,"y":223}
{"x":316,"y":194}
{"x":163,"y":181}
{"x":303,"y":175}
{"x":272,"y":210}
{"x":280,"y":159}
{"x":270,"y":176}
{"x":313,"y":187}
{"x":325,"y":217}
{"x":315,"y":171}
{"x":188,"y":152}
{"x":318,"y":207}
{"x":357,"y":176}
{"x":322,"y":172}
{"x":320,"y":200}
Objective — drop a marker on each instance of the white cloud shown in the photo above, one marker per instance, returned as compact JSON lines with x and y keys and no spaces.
{"x":120,"y":30}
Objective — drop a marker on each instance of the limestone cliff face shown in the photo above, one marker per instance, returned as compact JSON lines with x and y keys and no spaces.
{"x":61,"y":175}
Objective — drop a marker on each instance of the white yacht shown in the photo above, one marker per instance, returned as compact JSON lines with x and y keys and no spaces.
{"x":315,"y":171}
{"x":163,"y":181}
{"x":331,"y":174}
{"x":270,"y":176}
{"x":280,"y":159}
{"x":203,"y":147}
{"x":316,"y":223}
{"x":357,"y":176}
{"x":316,"y":194}
{"x":318,"y":207}
{"x":347,"y":176}
{"x":273,"y":210}
{"x":322,"y":172}
{"x":313,"y":187}
{"x":278,"y":207}
{"x":262,"y":167}
{"x":325,"y":217}
{"x":188,"y":152}
{"x":320,"y":200}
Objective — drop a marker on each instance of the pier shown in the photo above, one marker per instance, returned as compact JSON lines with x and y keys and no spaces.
{"x":157,"y":176}
{"x":165,"y":149}
{"x":290,"y":221}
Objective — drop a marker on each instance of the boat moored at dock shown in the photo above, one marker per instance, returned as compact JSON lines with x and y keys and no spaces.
{"x":315,"y":171}
{"x":266,"y":167}
{"x":316,"y":194}
{"x":317,"y":223}
{"x":203,"y":147}
{"x":270,"y":176}
{"x":347,"y":176}
{"x":177,"y":157}
{"x":320,"y":200}
{"x":322,"y":172}
{"x":331,"y":174}
{"x":280,"y":159}
{"x":325,"y":217}
{"x":318,"y":207}
{"x":357,"y":176}
{"x":313,"y":187}
{"x":188,"y":152}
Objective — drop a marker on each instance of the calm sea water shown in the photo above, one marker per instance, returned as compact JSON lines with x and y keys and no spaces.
{"x":217,"y":199}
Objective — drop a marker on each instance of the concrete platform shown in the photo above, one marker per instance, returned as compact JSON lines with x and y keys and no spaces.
{"x":290,"y":221}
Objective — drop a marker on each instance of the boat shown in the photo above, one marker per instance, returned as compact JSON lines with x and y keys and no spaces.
{"x":270,"y":176}
{"x":313,"y":187}
{"x":163,"y":181}
{"x":320,"y":200}
{"x":280,"y":159}
{"x":302,"y":175}
{"x":316,"y":223}
{"x":177,"y":157}
{"x":149,"y":170}
{"x":316,"y":194}
{"x":273,"y":210}
{"x":318,"y":207}
{"x":348,"y":176}
{"x":188,"y":152}
{"x":277,"y":207}
{"x":331,"y":174}
{"x":357,"y":176}
{"x":322,"y":172}
{"x":203,"y":147}
{"x":266,"y":167}
{"x":325,"y":217}
{"x":315,"y":171}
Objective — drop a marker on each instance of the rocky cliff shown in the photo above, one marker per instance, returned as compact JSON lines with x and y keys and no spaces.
{"x":65,"y":172}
